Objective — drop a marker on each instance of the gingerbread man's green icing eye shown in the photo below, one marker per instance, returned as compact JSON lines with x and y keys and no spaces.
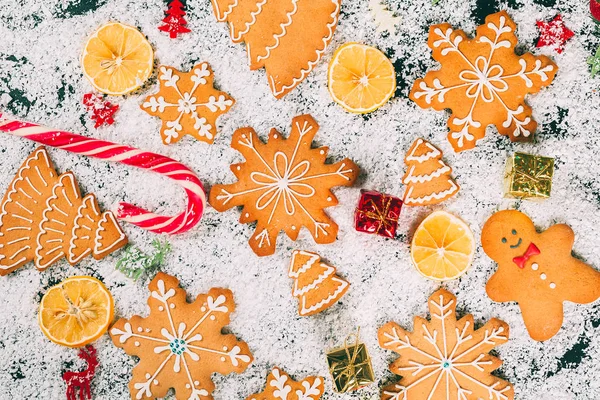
{"x":504,"y":240}
{"x":514,"y":232}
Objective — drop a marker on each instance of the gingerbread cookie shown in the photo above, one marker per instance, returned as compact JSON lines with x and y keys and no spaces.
{"x":316,"y":284}
{"x":287,"y":38}
{"x":536,"y":270}
{"x":180,"y":344}
{"x":445,"y":358}
{"x":284,"y":185}
{"x":187,"y":103}
{"x":44,"y":218}
{"x":482,"y":81}
{"x":428,"y":179}
{"x":281,"y":387}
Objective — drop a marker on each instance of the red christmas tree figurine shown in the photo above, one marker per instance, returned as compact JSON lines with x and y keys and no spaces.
{"x":102,"y":111}
{"x":174,"y":22}
{"x":554,"y":34}
{"x":82,"y":379}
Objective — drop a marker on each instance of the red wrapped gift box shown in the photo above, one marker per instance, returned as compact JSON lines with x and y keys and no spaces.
{"x":377,"y":213}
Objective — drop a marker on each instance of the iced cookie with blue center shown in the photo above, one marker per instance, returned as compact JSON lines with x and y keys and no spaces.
{"x":536,"y":270}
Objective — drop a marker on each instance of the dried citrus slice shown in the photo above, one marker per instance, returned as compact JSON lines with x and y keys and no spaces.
{"x":442,"y":247}
{"x":117,"y":59}
{"x":361,"y":78}
{"x":76,"y":312}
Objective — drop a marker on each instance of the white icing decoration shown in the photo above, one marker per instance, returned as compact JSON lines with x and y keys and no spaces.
{"x":66,"y":181}
{"x":483,"y":79}
{"x":187,"y":103}
{"x":99,"y":248}
{"x":179,"y":343}
{"x":285,"y":182}
{"x":445,"y":359}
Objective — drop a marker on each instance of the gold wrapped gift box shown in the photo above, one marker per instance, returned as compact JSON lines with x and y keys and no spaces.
{"x":528,"y":176}
{"x":350,"y":366}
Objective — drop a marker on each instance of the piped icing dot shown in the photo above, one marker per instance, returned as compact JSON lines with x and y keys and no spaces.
{"x":161,"y":308}
{"x":553,"y":285}
{"x":543,"y":277}
{"x":139,"y":329}
{"x":534,"y":266}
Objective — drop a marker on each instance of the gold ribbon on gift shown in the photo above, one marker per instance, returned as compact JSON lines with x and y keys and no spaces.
{"x":379,"y":215}
{"x":355,"y":371}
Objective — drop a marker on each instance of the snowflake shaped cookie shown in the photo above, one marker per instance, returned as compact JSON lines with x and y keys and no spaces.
{"x":445,"y":358}
{"x":284,"y":185}
{"x":180,"y":345}
{"x":483,"y":81}
{"x":281,"y":387}
{"x":187,"y":104}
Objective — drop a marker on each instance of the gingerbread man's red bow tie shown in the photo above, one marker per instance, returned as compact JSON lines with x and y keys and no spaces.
{"x":532,"y":250}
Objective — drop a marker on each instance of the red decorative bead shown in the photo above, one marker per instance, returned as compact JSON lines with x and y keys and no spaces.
{"x":102,"y":111}
{"x":377,"y":213}
{"x":554,"y":33}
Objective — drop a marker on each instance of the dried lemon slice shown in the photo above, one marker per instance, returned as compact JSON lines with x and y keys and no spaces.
{"x":76,"y":312}
{"x":442,"y":247}
{"x":117,"y":59}
{"x":361,"y":78}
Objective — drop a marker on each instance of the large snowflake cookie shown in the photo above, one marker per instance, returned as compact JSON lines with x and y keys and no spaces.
{"x":445,"y":358}
{"x":187,"y":103}
{"x":284,"y":185}
{"x":286,"y":37}
{"x":180,"y":344}
{"x":482,"y":81}
{"x":44,"y":218}
{"x":281,"y":387}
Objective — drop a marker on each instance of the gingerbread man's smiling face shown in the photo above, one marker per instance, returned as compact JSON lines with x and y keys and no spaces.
{"x":506,"y":235}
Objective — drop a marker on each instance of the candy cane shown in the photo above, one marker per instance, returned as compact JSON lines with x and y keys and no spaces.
{"x":129,"y":156}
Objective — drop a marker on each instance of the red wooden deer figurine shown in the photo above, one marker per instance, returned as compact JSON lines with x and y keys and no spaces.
{"x":82,"y":379}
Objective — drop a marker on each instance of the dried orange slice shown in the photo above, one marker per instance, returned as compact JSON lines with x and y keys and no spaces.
{"x":361,"y":78}
{"x":117,"y":59}
{"x":76,"y":312}
{"x":442,"y":247}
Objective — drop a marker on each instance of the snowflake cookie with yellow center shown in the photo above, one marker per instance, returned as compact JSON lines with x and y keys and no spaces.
{"x":180,"y":345}
{"x":284,"y":185}
{"x":482,"y":81}
{"x":445,"y":358}
{"x":281,"y":387}
{"x":187,"y":104}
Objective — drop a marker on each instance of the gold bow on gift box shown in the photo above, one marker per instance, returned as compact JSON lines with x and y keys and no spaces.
{"x":529,"y":176}
{"x":350,"y":365}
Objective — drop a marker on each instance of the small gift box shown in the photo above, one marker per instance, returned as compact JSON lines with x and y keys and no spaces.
{"x":350,"y":365}
{"x":529,"y":176}
{"x":377,"y":213}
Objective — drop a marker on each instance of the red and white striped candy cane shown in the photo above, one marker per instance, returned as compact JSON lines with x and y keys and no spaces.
{"x":129,"y":156}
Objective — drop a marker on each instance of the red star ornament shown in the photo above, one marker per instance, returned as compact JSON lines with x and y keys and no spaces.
{"x":554,"y":34}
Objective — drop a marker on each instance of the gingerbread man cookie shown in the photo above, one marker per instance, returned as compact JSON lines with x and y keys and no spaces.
{"x":536,"y":270}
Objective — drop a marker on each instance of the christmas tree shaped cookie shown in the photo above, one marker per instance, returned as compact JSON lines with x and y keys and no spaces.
{"x":180,"y":345}
{"x":446,"y":357}
{"x":316,"y":284}
{"x":43,"y":218}
{"x":428,"y":179}
{"x":286,"y":37}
